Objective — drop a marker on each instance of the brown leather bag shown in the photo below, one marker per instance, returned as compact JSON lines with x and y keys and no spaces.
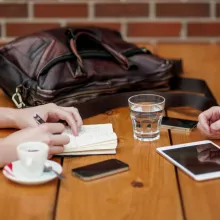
{"x":79,"y":66}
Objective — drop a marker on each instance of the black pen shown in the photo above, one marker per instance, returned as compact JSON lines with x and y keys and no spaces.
{"x":38,"y":119}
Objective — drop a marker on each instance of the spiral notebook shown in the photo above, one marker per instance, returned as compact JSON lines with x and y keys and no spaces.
{"x":92,"y":139}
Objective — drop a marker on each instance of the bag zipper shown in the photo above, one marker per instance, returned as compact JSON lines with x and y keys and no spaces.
{"x":89,"y":54}
{"x":20,"y":104}
{"x":77,"y":94}
{"x":85,"y":93}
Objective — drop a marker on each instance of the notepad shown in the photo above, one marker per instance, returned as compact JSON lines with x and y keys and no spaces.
{"x":92,"y":139}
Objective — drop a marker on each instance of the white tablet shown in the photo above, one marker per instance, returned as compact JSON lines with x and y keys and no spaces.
{"x":200,"y":160}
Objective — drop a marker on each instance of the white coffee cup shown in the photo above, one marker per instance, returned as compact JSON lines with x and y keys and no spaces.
{"x":32,"y":156}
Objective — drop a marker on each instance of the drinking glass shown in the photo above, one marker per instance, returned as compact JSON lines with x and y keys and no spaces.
{"x":146,"y":111}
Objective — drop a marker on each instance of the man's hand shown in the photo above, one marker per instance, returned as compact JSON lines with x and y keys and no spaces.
{"x":209,"y":123}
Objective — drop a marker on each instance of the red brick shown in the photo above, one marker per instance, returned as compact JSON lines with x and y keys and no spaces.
{"x":116,"y":26}
{"x":61,"y":10}
{"x":182,"y":10}
{"x":151,"y":29}
{"x":121,"y":10}
{"x":209,"y":29}
{"x":13,"y":10}
{"x":21,"y":29}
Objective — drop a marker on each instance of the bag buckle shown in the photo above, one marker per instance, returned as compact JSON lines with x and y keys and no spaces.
{"x":17,"y":99}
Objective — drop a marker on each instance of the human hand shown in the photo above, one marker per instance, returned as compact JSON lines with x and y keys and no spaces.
{"x":209,"y":123}
{"x":49,"y":113}
{"x":208,"y":154}
{"x":48,"y":133}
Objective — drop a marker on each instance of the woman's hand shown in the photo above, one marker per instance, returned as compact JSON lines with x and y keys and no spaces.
{"x":48,"y":133}
{"x":49,"y":113}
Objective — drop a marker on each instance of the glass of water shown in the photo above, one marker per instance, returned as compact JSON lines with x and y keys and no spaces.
{"x":146,"y":113}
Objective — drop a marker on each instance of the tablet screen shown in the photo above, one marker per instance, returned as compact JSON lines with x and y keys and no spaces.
{"x":199,"y":159}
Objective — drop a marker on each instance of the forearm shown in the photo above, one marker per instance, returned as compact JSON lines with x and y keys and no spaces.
{"x":7,"y":153}
{"x":8,"y":117}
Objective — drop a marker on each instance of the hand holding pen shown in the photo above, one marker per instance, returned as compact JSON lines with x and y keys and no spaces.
{"x":38,"y":119}
{"x":50,"y":113}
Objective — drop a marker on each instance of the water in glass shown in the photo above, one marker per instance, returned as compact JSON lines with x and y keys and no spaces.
{"x":146,"y":121}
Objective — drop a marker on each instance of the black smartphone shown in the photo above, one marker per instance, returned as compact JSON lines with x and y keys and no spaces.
{"x":178,"y":123}
{"x":100,"y":169}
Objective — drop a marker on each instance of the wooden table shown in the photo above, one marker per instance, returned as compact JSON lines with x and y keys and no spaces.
{"x":167,"y":192}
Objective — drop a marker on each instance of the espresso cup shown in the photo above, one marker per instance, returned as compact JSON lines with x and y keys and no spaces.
{"x":32,"y":156}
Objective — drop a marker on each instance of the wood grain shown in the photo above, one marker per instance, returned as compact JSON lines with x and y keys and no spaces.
{"x":22,"y":202}
{"x":114,"y":197}
{"x":200,"y":61}
{"x":200,"y":199}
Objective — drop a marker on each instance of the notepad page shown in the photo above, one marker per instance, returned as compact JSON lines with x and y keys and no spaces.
{"x":91,"y":152}
{"x":95,"y":129}
{"x":104,"y":146}
{"x":90,"y":135}
{"x":97,"y":145}
{"x":89,"y":139}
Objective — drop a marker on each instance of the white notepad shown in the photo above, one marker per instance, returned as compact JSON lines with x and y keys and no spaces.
{"x":92,"y":139}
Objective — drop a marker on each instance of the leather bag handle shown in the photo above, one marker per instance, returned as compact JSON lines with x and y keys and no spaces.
{"x":73,"y":36}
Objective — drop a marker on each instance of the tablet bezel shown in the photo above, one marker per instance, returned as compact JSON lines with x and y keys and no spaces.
{"x":198,"y":177}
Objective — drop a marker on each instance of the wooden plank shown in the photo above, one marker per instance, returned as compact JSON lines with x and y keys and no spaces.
{"x":22,"y":202}
{"x":114,"y":197}
{"x":5,"y":101}
{"x":200,"y":61}
{"x":200,"y":199}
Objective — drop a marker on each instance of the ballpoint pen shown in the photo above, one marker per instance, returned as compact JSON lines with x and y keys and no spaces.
{"x":38,"y":119}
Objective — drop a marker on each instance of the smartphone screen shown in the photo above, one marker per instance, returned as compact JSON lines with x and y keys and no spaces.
{"x":178,"y":123}
{"x":100,"y":169}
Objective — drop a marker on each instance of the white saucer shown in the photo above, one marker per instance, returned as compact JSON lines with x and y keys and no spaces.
{"x":12,"y":172}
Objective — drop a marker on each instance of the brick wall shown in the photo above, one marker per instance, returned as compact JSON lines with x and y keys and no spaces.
{"x":140,"y":21}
